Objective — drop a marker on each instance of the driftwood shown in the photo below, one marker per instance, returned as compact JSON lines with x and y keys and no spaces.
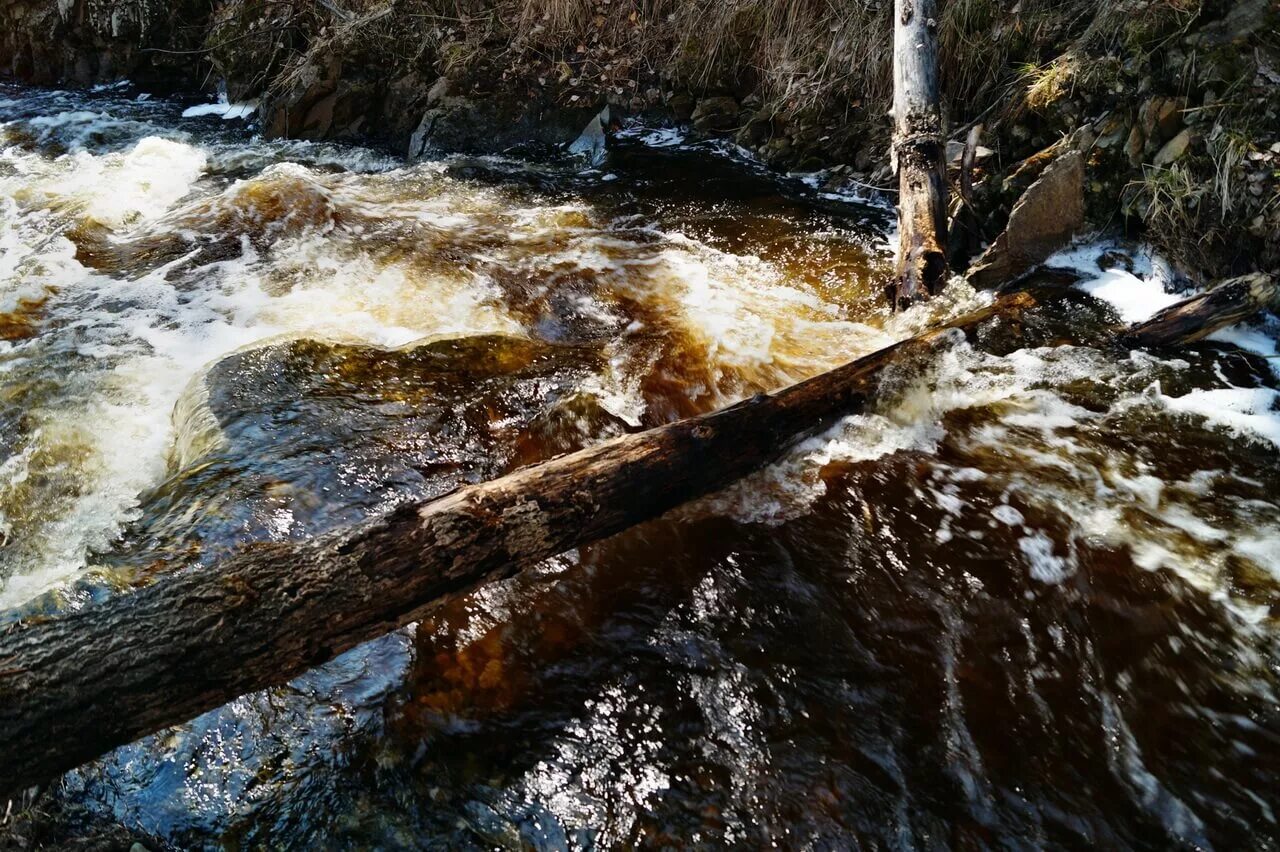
{"x":78,"y":685}
{"x":919,"y":154}
{"x":1200,"y":316}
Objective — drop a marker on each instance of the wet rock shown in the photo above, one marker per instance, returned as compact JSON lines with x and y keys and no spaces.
{"x":715,"y":114}
{"x":51,"y":41}
{"x":328,"y":434}
{"x":590,"y":144}
{"x":1115,"y":259}
{"x":755,"y":132}
{"x":1160,"y":117}
{"x":681,"y":106}
{"x":1135,"y":146}
{"x":865,"y":158}
{"x":1174,"y":149}
{"x":490,"y":124}
{"x":1043,"y":220}
{"x":776,"y":150}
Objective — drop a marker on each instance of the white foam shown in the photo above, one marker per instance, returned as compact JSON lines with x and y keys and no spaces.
{"x":1248,"y":412}
{"x":1135,"y":295}
{"x":228,"y":111}
{"x":1007,"y":515}
{"x":115,"y":189}
{"x":1045,"y":565}
{"x":654,"y":137}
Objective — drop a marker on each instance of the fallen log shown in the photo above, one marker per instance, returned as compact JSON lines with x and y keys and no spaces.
{"x":1201,"y":315}
{"x":78,"y":685}
{"x":919,"y":154}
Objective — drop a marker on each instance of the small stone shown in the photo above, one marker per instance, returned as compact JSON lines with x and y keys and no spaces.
{"x":1134,"y":147}
{"x":681,"y":105}
{"x":1160,"y":119}
{"x":1174,"y":149}
{"x":1115,"y":259}
{"x":955,"y":153}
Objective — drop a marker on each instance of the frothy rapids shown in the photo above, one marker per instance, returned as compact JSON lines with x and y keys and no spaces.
{"x":1029,"y":599}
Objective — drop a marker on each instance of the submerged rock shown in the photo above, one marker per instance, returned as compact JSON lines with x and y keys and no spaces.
{"x":289,"y":440}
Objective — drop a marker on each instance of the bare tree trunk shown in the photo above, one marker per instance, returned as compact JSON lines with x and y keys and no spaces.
{"x":78,"y":685}
{"x":919,"y":154}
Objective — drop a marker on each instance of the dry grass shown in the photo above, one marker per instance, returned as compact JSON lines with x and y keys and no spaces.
{"x":803,"y":58}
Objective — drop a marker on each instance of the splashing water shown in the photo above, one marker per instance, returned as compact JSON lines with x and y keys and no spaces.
{"x":1029,"y":598}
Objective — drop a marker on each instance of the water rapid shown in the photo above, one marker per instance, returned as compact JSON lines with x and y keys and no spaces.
{"x":1029,"y":599}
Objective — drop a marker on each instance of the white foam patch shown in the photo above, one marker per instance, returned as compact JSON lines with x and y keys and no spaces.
{"x":1260,"y":340}
{"x":115,"y":189}
{"x":1045,"y":565}
{"x":654,"y":137}
{"x":1248,"y":412}
{"x":153,"y":333}
{"x":228,"y":111}
{"x":1136,"y":295}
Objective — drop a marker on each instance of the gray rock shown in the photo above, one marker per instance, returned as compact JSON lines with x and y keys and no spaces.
{"x":591,"y":142}
{"x":955,"y":153}
{"x":1134,"y":147}
{"x":1174,"y":149}
{"x":1044,"y":220}
{"x":488,"y":125}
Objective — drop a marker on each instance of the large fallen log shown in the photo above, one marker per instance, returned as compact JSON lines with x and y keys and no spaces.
{"x":919,"y":154}
{"x":76,"y":686}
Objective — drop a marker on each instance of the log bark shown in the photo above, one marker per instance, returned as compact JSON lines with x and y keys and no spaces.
{"x":1200,"y":316}
{"x":78,"y":685}
{"x":919,"y":154}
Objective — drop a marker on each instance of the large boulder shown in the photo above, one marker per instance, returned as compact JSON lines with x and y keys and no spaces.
{"x":90,"y":41}
{"x":1043,"y":220}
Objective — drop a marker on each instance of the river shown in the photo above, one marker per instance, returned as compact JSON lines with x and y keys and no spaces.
{"x":1030,"y":599}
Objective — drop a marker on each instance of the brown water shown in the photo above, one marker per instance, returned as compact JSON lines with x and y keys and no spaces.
{"x":1030,"y":600}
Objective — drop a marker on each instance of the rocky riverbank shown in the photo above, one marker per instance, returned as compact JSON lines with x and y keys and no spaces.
{"x":1172,"y":105}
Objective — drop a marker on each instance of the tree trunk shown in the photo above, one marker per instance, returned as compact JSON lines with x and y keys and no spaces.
{"x":919,"y":153}
{"x":78,"y":685}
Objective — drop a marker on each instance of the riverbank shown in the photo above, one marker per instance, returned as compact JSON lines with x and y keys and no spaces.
{"x":1174,"y":105}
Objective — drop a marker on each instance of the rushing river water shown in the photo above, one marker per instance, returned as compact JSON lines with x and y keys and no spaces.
{"x":1030,"y":599}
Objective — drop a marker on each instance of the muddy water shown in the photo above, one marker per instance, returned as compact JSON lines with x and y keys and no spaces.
{"x":1029,"y":600}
